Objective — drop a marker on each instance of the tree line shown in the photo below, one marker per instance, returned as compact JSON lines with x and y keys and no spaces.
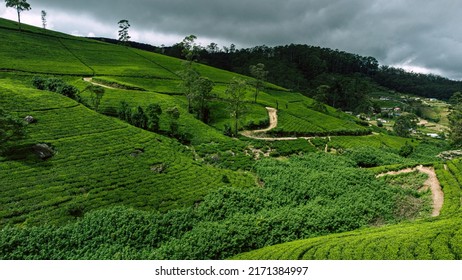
{"x":304,"y":68}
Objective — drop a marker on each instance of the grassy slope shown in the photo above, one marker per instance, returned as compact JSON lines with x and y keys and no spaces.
{"x":93,"y":166}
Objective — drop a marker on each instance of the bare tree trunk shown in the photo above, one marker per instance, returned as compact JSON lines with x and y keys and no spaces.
{"x":236,"y":123}
{"x":19,"y":19}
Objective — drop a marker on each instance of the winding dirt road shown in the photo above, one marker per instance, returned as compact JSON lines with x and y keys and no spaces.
{"x":273,"y":123}
{"x":432,"y":182}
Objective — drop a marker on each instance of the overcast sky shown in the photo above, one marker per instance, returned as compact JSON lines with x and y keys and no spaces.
{"x":419,"y":35}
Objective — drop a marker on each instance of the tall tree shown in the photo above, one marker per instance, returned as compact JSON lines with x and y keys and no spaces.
{"x":20,"y":6}
{"x":189,"y":75}
{"x":236,"y":94}
{"x":96,"y":95}
{"x":124,"y":25}
{"x":44,"y":19}
{"x":259,"y":73}
{"x":190,"y":48}
{"x":202,"y":95}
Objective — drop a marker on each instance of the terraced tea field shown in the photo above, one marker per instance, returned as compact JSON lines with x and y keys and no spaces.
{"x":428,"y":239}
{"x":99,"y":161}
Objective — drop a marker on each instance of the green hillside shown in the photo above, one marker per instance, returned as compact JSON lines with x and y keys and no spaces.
{"x":99,"y":161}
{"x":112,"y":190}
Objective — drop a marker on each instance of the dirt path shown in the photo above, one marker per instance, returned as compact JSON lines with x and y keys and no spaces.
{"x":273,"y":123}
{"x":90,"y":80}
{"x":432,"y":182}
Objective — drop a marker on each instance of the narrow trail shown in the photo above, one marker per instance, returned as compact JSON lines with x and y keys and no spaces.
{"x":90,"y":80}
{"x":432,"y":182}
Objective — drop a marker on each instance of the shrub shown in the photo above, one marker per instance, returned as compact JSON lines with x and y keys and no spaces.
{"x":69,"y":91}
{"x":406,"y":150}
{"x":53,"y":84}
{"x":153,"y":112}
{"x":56,"y":85}
{"x":39,"y":82}
{"x":227,"y":131}
{"x":124,"y":112}
{"x":139,"y":118}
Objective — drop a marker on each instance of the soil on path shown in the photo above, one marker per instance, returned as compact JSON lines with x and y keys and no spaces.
{"x":432,"y":182}
{"x":273,"y":123}
{"x":90,"y":80}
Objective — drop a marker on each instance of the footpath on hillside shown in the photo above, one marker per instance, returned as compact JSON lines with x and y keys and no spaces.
{"x":432,"y":183}
{"x":90,"y":80}
{"x":273,"y":123}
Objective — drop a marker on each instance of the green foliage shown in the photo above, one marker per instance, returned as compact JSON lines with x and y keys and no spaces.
{"x":124,"y":38}
{"x":372,"y":157}
{"x":56,"y":85}
{"x":124,"y":111}
{"x":456,"y":98}
{"x":300,"y":199}
{"x":139,"y":118}
{"x":406,"y":150}
{"x":234,"y":155}
{"x":404,"y":124}
{"x":99,"y":162}
{"x":189,"y":77}
{"x":202,"y":94}
{"x":455,"y":125}
{"x":425,"y":239}
{"x":153,"y":112}
{"x":237,"y":107}
{"x":259,"y":73}
{"x":286,"y":148}
{"x":11,"y":128}
{"x":20,"y":6}
{"x":174,"y":115}
{"x":96,"y":96}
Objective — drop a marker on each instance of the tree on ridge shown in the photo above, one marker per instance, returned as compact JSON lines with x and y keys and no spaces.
{"x":124,"y":25}
{"x":259,"y":73}
{"x":19,"y":5}
{"x":44,"y":19}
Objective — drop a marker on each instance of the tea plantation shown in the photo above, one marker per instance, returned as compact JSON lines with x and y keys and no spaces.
{"x":436,"y":238}
{"x":188,"y":189}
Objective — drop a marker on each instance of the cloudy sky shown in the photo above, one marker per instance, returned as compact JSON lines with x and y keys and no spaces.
{"x":419,"y":35}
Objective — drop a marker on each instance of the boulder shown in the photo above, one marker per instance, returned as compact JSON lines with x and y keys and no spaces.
{"x":43,"y":151}
{"x":450,"y":155}
{"x":159,"y":168}
{"x":30,"y":119}
{"x":137,"y":152}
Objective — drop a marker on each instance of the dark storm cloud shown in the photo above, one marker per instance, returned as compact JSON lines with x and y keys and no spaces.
{"x":416,"y":34}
